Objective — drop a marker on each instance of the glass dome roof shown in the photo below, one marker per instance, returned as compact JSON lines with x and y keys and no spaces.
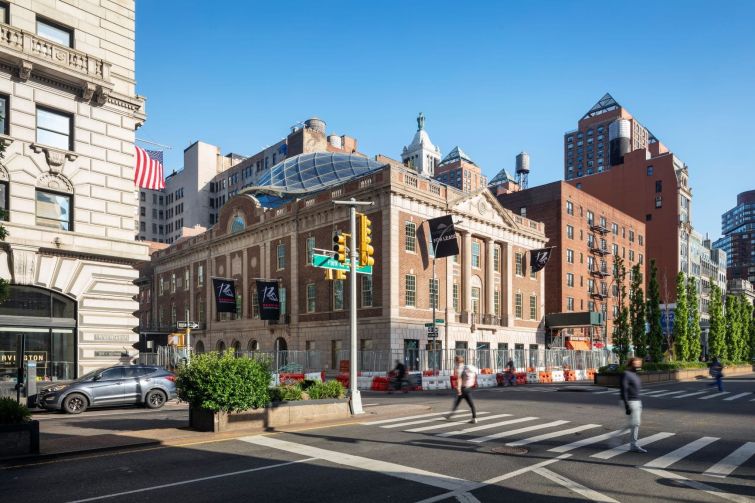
{"x":309,"y":173}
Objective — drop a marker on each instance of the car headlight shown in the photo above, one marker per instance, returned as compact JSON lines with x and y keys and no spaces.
{"x":58,"y":387}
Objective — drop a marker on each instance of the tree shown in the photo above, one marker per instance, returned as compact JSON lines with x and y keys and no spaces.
{"x":743,"y":340}
{"x":733,"y":329}
{"x":621,"y":323}
{"x":693,"y":325}
{"x":681,"y":315}
{"x":637,"y":313}
{"x":717,"y":332}
{"x":750,"y":315}
{"x":653,"y":313}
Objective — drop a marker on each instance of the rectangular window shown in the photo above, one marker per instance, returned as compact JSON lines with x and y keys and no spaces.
{"x":456,"y":297}
{"x":650,"y":171}
{"x":475,"y":254}
{"x":570,"y":232}
{"x":533,"y":307}
{"x":55,"y":32}
{"x":640,"y":239}
{"x":475,"y":299}
{"x":570,"y":303}
{"x":411,"y":290}
{"x":173,"y":283}
{"x":54,"y":128}
{"x":569,"y":208}
{"x":519,"y":261}
{"x":497,"y":302}
{"x":310,"y":249}
{"x":433,"y":289}
{"x":496,"y":259}
{"x":200,"y":309}
{"x":366,"y":290}
{"x":4,"y":114}
{"x":54,"y":210}
{"x":518,"y":305}
{"x":162,"y":285}
{"x":410,"y":230}
{"x":659,"y":185}
{"x":631,"y":236}
{"x":570,"y":256}
{"x":338,"y":295}
{"x":186,"y":279}
{"x":311,"y":296}
{"x":590,"y":217}
{"x":569,"y":279}
{"x":281,"y":256}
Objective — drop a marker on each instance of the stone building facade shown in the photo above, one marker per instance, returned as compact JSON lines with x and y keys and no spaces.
{"x":70,"y":109}
{"x":485,"y":299}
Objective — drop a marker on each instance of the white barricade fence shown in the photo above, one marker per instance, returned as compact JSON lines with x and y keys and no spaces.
{"x":275,"y":380}
{"x":430,"y":382}
{"x":486,"y":381}
{"x":364,"y":382}
{"x":313,"y":376}
{"x":557,"y":376}
{"x":533,"y":378}
{"x":580,"y":375}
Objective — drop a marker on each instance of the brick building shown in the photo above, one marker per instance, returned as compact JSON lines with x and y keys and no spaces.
{"x":587,"y":234}
{"x":485,"y":296}
{"x":458,"y":170}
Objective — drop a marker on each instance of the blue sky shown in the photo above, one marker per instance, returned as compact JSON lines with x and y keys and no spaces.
{"x":492,"y":77}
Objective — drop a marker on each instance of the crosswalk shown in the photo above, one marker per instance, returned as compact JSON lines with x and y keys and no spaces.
{"x":705,"y":394}
{"x":520,"y":431}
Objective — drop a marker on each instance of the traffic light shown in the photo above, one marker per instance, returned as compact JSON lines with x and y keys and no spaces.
{"x":365,"y":249}
{"x":341,"y":275}
{"x":329,"y":274}
{"x":340,"y":247}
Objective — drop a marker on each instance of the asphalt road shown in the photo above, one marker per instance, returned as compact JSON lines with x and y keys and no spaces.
{"x":531,"y":443}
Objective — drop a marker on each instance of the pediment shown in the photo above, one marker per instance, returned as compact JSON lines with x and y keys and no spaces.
{"x":482,"y":205}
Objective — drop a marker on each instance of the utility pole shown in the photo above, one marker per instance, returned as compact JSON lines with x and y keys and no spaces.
{"x":356,"y":397}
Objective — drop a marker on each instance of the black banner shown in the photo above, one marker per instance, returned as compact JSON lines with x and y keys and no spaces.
{"x":225,"y":295}
{"x":443,"y":236}
{"x":268,"y":299}
{"x":538,"y":258}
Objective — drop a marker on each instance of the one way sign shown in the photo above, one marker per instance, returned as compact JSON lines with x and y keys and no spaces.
{"x":187,"y":324}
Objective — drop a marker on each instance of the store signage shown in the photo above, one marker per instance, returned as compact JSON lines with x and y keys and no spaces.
{"x":108,"y":353}
{"x":7,"y":357}
{"x":111,"y":337}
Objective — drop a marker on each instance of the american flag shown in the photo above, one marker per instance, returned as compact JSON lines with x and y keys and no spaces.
{"x":149,"y":169}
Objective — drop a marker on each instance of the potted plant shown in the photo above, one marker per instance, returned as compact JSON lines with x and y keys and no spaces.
{"x":18,"y":433}
{"x":218,"y":384}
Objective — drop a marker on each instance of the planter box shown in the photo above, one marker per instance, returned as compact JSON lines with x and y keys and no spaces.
{"x":276,"y":415}
{"x":19,"y":439}
{"x":656,"y":376}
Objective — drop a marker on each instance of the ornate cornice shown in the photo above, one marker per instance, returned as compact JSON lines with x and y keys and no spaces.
{"x":56,"y":158}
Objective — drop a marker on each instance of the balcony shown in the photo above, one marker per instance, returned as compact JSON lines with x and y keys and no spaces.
{"x":29,"y":52}
{"x":599,"y":228}
{"x":600,"y":251}
{"x":601,"y":273}
{"x":598,"y":295}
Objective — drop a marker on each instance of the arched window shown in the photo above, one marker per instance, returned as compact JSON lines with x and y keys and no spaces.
{"x":236,"y":348}
{"x":238,"y":224}
{"x":280,"y":344}
{"x":199,"y":347}
{"x":253,"y":345}
{"x":220,"y":347}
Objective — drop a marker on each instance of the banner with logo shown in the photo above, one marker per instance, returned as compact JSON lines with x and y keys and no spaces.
{"x":225,"y":295}
{"x":538,"y":258}
{"x":443,"y":236}
{"x":269,"y":300}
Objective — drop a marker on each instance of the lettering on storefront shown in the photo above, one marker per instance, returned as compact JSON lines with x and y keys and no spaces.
{"x":9,"y":357}
{"x":111,"y":337}
{"x":108,"y":354}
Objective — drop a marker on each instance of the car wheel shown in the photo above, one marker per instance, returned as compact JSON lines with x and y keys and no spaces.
{"x":155,"y":399}
{"x":75,"y":403}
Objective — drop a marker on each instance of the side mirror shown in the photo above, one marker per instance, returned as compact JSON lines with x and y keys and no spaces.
{"x":97,"y":377}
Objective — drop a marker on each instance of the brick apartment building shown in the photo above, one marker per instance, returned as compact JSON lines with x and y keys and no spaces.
{"x":587,"y":234}
{"x":486,"y":296}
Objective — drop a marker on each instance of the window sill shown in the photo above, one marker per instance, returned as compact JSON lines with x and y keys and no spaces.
{"x":55,"y":157}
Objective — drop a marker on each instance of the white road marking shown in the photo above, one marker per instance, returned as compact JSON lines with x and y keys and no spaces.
{"x":693,"y":394}
{"x":604,"y":392}
{"x":422,"y":421}
{"x":485,"y":427}
{"x":732,"y":461}
{"x":650,"y":393}
{"x":734,"y":397}
{"x":589,"y":441}
{"x":610,"y":453}
{"x":467,"y":498}
{"x":670,"y":393}
{"x":190,"y":481}
{"x":447,"y":424}
{"x":699,"y":485}
{"x":385,"y":421}
{"x":546,"y":436}
{"x":373,"y":465}
{"x":682,"y":452}
{"x":574,"y":486}
{"x":715,"y":395}
{"x":516,"y":432}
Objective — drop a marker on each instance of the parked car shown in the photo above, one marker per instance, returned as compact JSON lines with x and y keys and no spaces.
{"x":150,"y":386}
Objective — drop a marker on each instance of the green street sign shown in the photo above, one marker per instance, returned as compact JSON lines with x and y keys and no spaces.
{"x":429,"y":324}
{"x":327,"y":262}
{"x":439,"y":321}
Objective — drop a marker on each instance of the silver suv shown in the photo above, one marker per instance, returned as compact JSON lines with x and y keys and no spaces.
{"x":119,"y":385}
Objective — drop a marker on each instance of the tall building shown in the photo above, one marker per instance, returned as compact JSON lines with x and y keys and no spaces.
{"x":486,"y":296}
{"x":69,"y":111}
{"x":618,"y":161}
{"x":580,"y":278}
{"x":194,"y":195}
{"x":458,"y":170}
{"x":738,"y":241}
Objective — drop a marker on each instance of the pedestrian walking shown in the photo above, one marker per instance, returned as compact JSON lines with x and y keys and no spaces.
{"x":630,"y":395}
{"x":510,"y":373}
{"x":716,"y":371}
{"x":399,"y":378}
{"x":465,"y":376}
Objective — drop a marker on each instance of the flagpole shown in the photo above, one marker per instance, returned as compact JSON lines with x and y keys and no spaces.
{"x":168,"y":147}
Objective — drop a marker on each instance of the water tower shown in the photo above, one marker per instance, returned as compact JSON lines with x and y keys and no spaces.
{"x":522,"y":169}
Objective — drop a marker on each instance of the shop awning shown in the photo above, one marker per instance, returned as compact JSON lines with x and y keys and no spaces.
{"x":578,"y":345}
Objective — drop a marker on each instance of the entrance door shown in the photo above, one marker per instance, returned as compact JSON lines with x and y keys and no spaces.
{"x":107,"y":387}
{"x":483,"y":355}
{"x":411,"y":354}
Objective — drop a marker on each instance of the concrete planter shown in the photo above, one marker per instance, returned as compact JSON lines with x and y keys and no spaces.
{"x":19,"y":439}
{"x":275,"y":415}
{"x":657,"y":376}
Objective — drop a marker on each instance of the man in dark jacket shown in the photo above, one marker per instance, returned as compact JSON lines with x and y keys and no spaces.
{"x":630,"y":395}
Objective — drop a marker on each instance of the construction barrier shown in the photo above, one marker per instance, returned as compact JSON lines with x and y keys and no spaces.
{"x":291,"y":377}
{"x":521,"y":378}
{"x":315,"y":376}
{"x":557,"y":376}
{"x":545,"y":377}
{"x":364,"y":382}
{"x":591,"y":374}
{"x":533,"y":378}
{"x":380,"y":383}
{"x":581,"y":375}
{"x":486,"y":381}
{"x":570,"y":375}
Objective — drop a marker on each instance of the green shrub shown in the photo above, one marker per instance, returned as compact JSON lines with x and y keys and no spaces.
{"x":327,"y":389}
{"x":12,"y":412}
{"x":222,"y":382}
{"x":286,"y":393}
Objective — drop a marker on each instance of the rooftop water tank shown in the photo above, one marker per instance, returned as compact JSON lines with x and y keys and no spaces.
{"x":523,"y":162}
{"x":619,"y":144}
{"x":335,"y":140}
{"x":316,"y":124}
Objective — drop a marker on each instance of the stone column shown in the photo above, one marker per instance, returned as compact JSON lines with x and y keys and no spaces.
{"x":466,"y":277}
{"x":489,"y":279}
{"x":507,"y":284}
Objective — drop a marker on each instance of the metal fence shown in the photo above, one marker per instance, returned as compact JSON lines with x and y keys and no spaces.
{"x":414,"y":359}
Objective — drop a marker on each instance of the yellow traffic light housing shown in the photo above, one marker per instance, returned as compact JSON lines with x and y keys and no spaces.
{"x":329,"y":274}
{"x":340,"y":240}
{"x":341,"y":275}
{"x":365,"y":238}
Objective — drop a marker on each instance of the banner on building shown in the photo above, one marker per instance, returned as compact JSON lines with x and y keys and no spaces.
{"x":538,"y":258}
{"x":225,"y":295}
{"x":268,"y":300}
{"x":443,"y":236}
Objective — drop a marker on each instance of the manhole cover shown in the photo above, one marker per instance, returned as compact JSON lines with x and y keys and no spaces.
{"x":517,"y":451}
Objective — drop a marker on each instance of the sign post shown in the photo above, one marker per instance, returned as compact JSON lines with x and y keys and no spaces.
{"x":187,"y":325}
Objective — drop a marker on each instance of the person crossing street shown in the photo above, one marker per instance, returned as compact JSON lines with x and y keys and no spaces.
{"x":631,"y":386}
{"x":465,"y":377}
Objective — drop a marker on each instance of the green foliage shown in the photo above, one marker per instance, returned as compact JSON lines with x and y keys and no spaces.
{"x":637,"y":313}
{"x":621,"y":323}
{"x":286,"y":393}
{"x":12,"y":412}
{"x":653,"y":313}
{"x":717,"y":332}
{"x":750,"y":316}
{"x":327,"y":389}
{"x":681,"y":317}
{"x":222,"y":382}
{"x":693,"y":324}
